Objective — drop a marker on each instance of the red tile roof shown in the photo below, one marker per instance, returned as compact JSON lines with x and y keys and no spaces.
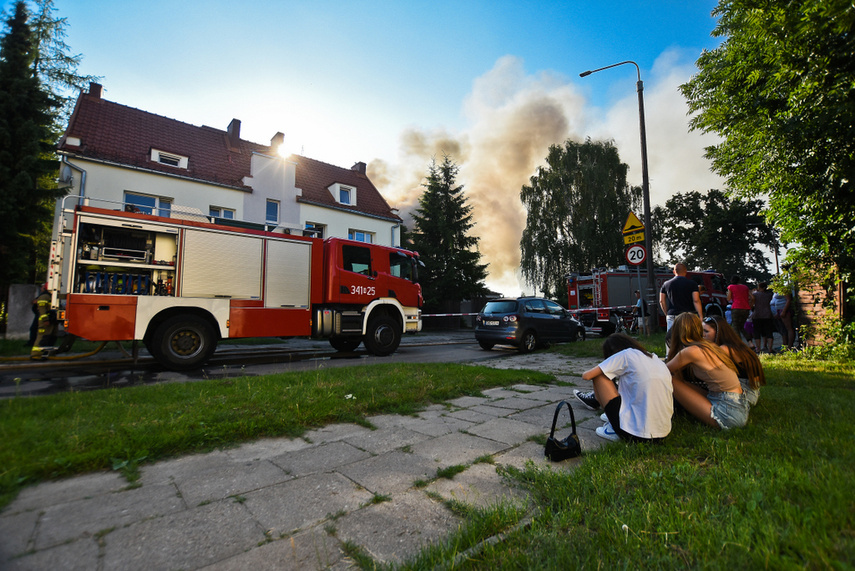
{"x":124,"y":135}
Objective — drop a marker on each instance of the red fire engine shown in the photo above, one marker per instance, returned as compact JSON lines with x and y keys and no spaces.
{"x":601,"y":299}
{"x":181,"y":285}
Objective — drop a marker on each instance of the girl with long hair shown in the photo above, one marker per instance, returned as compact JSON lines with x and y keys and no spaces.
{"x":639,"y":408}
{"x":748,"y":366}
{"x":722,"y":404}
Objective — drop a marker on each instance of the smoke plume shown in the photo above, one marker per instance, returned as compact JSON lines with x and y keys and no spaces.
{"x":512,"y":119}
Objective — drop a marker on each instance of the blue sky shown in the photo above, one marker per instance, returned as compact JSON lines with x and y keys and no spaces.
{"x":395,"y":83}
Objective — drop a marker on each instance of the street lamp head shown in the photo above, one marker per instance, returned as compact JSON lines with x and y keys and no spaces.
{"x":585,"y":73}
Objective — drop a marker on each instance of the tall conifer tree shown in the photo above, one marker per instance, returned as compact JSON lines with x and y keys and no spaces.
{"x":453,"y":271}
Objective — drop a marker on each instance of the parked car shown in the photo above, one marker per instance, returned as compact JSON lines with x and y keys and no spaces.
{"x":525,"y":323}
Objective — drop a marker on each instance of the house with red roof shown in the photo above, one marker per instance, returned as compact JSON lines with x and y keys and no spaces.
{"x":133,"y":159}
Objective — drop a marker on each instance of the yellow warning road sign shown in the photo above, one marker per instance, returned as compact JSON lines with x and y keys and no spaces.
{"x":633,"y":238}
{"x":633,"y":224}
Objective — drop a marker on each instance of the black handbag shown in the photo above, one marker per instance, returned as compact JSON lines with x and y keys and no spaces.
{"x":558,"y":450}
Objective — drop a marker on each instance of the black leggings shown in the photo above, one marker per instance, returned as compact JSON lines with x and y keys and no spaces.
{"x":612,"y":409}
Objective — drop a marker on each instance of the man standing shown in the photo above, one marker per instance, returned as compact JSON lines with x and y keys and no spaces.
{"x":640,"y":312}
{"x":679,"y":295}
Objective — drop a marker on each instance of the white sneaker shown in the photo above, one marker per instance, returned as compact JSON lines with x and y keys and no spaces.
{"x":604,"y":417}
{"x":606,"y":431}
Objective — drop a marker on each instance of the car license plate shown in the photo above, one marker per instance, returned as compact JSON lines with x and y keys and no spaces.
{"x":491,"y":323}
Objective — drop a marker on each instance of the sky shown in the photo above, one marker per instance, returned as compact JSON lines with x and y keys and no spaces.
{"x":492,"y":84}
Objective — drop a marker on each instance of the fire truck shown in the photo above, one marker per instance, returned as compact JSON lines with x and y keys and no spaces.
{"x":180,"y":284}
{"x":605,"y":297}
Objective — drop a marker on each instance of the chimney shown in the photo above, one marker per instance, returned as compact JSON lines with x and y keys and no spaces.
{"x":358,"y":167}
{"x":95,"y":90}
{"x":234,"y":133}
{"x":277,"y":141}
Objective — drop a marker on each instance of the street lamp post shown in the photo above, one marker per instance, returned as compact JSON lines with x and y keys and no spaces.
{"x":652,"y":298}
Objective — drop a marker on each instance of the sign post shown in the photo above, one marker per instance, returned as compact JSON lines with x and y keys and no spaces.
{"x":636,"y":254}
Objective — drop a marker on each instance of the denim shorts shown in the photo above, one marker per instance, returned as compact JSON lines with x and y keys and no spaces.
{"x":751,"y":395}
{"x":729,"y":410}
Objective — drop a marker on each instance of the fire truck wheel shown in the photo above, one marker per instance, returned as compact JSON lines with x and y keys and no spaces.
{"x":528,"y":342}
{"x":344,"y":343}
{"x":183,"y":342}
{"x":485,"y":345}
{"x":383,"y":336}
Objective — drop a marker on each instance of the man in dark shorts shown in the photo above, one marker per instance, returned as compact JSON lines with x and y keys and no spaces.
{"x":679,"y":295}
{"x":764,"y":324}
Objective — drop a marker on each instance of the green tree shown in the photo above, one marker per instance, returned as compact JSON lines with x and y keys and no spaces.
{"x":452,"y":271}
{"x":53,"y":63}
{"x":577,"y":205}
{"x":710,"y":230}
{"x":780,"y":92}
{"x":27,"y":165}
{"x":38,"y":82}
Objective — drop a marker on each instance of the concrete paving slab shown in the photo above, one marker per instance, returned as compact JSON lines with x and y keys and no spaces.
{"x":103,"y":512}
{"x":392,"y":532}
{"x":470,"y":415}
{"x":540,"y":416}
{"x":498,"y":393}
{"x":479,"y":486}
{"x":391,"y":473}
{"x":311,"y":549}
{"x":229,"y":479}
{"x":334,"y":432}
{"x":186,"y":540}
{"x":304,"y":502}
{"x":266,"y":448}
{"x":17,"y":532}
{"x":491,"y":410}
{"x":505,"y":430}
{"x":81,"y":555}
{"x":550,"y":394}
{"x":524,"y":388}
{"x":514,"y":403}
{"x":439,"y":425}
{"x":457,"y":449}
{"x":466,"y":402}
{"x":61,"y":491}
{"x":181,"y":468}
{"x":319,"y":458}
{"x":386,"y":439}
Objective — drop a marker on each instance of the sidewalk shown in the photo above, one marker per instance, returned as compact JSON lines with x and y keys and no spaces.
{"x":293,"y":503}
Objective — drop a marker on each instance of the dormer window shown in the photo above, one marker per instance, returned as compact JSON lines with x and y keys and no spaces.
{"x":343,"y":194}
{"x":169,"y":159}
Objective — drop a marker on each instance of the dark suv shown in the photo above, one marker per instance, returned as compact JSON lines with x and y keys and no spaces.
{"x":525,"y":323}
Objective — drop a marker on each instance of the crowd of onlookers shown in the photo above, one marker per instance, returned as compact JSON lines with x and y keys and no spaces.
{"x":712,"y":369}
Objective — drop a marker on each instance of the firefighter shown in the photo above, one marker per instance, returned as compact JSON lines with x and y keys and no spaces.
{"x":46,"y":332}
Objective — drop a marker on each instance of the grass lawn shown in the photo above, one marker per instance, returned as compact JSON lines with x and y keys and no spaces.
{"x":778,"y":494}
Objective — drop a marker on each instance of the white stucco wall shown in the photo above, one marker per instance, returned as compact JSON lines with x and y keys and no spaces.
{"x":105,"y":182}
{"x":272,"y":178}
{"x":338,"y":223}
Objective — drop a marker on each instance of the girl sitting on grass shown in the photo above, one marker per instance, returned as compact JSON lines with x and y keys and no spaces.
{"x":639,"y":408}
{"x":722,"y":405}
{"x":748,"y":366}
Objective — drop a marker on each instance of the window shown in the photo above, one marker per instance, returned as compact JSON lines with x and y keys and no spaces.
{"x":314,"y":230}
{"x":147,"y":204}
{"x":218,"y":212}
{"x":272,"y":216}
{"x":169,"y":159}
{"x":343,"y":194}
{"x":360,"y":236}
{"x":356,"y":259}
{"x":400,"y":265}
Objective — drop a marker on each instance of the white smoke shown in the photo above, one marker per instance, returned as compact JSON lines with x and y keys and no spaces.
{"x":513,"y":117}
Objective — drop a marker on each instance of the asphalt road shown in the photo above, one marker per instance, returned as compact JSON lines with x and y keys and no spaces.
{"x":106,"y":371}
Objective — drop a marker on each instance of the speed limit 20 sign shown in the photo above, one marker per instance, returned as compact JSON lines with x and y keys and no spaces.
{"x":636,"y":254}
